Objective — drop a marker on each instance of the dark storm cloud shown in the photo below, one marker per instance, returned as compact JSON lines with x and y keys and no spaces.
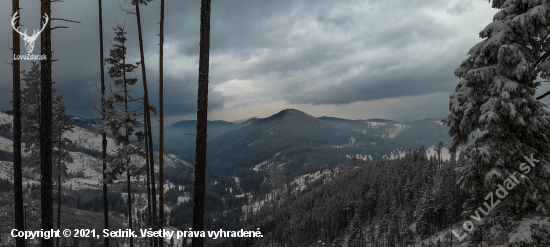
{"x":303,"y":52}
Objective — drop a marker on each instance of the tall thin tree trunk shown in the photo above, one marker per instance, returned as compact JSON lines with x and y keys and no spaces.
{"x":127,"y":139}
{"x":129,"y":206}
{"x":273,"y":216}
{"x":17,"y":165}
{"x":148,"y":126}
{"x":46,"y":124}
{"x":161,"y":115}
{"x":58,"y":189}
{"x":202,"y":118}
{"x":104,"y":135}
{"x":148,"y":171}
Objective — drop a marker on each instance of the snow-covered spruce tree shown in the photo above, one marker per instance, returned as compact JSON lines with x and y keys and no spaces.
{"x":121,"y":121}
{"x":496,"y":95}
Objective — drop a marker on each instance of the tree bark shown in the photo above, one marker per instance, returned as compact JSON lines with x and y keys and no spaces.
{"x":202,"y":118}
{"x":129,"y":206}
{"x":127,"y":139}
{"x":148,"y":171}
{"x":46,"y":124}
{"x":104,"y":135}
{"x":17,"y":165}
{"x":148,"y":125}
{"x":161,"y":115}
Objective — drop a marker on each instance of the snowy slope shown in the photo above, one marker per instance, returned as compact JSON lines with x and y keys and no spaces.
{"x":89,"y":140}
{"x":6,"y":169}
{"x":85,"y":165}
{"x":89,"y":166}
{"x":6,"y":144}
{"x":5,"y":118}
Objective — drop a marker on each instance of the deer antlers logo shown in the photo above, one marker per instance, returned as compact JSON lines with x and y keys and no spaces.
{"x":29,"y":40}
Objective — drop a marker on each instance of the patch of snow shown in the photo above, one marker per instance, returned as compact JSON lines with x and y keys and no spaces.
{"x":445,"y":154}
{"x":350,"y":143}
{"x":364,"y":157}
{"x":6,"y":144}
{"x":5,"y":118}
{"x":182,"y":199}
{"x":393,"y":132}
{"x":375,"y":125}
{"x":257,"y":167}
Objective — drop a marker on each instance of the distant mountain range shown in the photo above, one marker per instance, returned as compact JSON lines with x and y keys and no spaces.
{"x":292,"y":139}
{"x":296,"y":140}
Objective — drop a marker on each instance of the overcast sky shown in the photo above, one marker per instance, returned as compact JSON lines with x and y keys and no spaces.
{"x":390,"y":59}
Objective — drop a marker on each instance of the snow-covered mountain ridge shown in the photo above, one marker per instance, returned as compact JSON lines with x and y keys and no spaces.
{"x":83,"y":166}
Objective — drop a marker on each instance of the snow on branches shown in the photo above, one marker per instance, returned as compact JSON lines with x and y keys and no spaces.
{"x":497,"y":96}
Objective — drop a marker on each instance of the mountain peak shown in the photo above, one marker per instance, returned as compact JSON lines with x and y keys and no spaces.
{"x":291,"y":112}
{"x":290,"y":115}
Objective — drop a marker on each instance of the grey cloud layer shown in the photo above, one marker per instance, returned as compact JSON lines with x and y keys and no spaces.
{"x":303,"y":52}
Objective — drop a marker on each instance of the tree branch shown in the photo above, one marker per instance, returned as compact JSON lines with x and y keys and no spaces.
{"x":544,"y":95}
{"x":61,"y":19}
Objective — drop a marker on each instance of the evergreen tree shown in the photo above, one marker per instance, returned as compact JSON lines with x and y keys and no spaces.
{"x":496,"y":95}
{"x":30,"y":111}
{"x":124,"y":119}
{"x":30,"y":126}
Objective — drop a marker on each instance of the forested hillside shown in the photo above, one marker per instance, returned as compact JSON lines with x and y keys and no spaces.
{"x":359,"y":203}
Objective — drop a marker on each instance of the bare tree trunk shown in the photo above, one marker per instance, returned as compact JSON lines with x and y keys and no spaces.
{"x":104,"y":135}
{"x":161,"y":115}
{"x":127,"y":142}
{"x":273,"y":216}
{"x":148,"y":171}
{"x":148,"y":126}
{"x":46,"y":124}
{"x":202,"y":118}
{"x":129,"y":206}
{"x":17,"y":165}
